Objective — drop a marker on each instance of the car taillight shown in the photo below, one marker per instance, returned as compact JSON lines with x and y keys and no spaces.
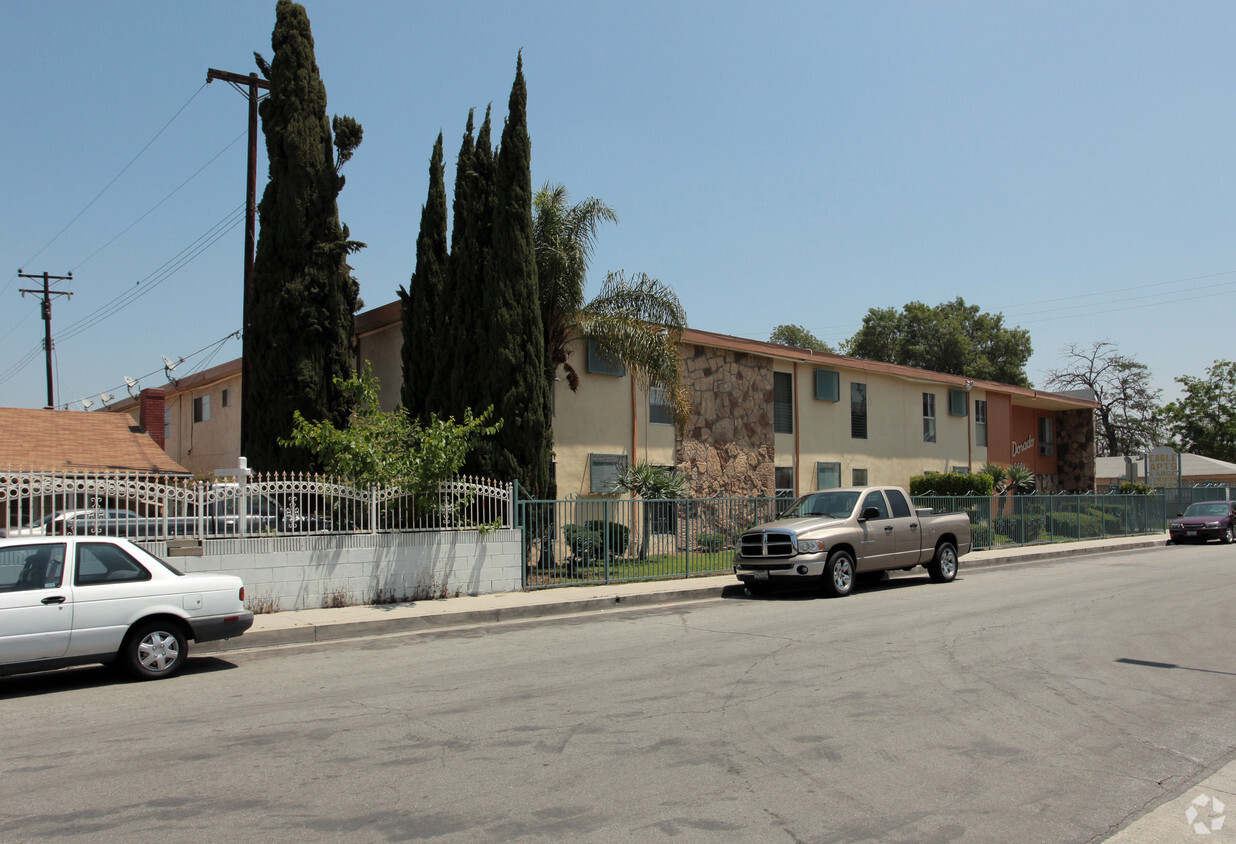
{"x":242,"y":593}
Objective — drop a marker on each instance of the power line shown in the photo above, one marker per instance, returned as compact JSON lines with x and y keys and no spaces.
{"x":159,"y":275}
{"x":160,"y":202}
{"x":123,"y":170}
{"x":213,"y":348}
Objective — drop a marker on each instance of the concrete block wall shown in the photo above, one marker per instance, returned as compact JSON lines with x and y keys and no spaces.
{"x":310,"y":572}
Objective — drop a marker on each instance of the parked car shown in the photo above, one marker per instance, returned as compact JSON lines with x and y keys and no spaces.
{"x":1203,"y":521}
{"x":78,"y":600}
{"x":67,"y":522}
{"x":836,"y":536}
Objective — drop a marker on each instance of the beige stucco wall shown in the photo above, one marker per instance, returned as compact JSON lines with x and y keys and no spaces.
{"x":384,"y":351}
{"x":202,"y":447}
{"x":596,"y":419}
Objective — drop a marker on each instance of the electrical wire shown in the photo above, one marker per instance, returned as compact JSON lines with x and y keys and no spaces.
{"x":197,"y":173}
{"x":123,"y":170}
{"x":169,"y":268}
{"x":213,"y":348}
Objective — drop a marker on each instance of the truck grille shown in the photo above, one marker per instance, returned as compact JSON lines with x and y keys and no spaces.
{"x":767,"y":544}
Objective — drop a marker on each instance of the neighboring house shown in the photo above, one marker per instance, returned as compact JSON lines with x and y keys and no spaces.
{"x":1194,"y":469}
{"x":767,"y":418}
{"x":70,"y":441}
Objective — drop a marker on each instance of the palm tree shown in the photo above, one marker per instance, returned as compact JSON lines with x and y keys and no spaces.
{"x":656,"y":486}
{"x":637,"y":321}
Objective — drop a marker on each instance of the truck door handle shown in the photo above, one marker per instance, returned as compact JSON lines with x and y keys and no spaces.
{"x":913,"y":525}
{"x":54,"y":599}
{"x":888,"y":528}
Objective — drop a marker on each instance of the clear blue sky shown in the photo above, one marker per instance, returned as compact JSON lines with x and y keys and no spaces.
{"x":1068,"y":164}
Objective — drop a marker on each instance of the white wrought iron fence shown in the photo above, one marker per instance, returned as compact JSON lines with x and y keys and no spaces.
{"x":277,"y":504}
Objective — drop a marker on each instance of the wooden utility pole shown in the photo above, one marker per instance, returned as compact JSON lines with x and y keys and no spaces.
{"x":47,"y":293}
{"x":248,"y":85}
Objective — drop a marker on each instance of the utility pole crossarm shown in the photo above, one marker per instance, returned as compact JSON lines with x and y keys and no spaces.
{"x":236,"y":78}
{"x":46,"y":293}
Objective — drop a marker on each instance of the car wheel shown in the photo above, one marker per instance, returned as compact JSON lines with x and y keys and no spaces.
{"x":943,"y":566}
{"x":839,"y":574}
{"x":1226,"y":538}
{"x":154,"y":650}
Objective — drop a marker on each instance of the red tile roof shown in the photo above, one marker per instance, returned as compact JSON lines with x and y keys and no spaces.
{"x":72,"y":440}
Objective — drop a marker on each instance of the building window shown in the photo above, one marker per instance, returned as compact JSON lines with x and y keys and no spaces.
{"x":980,"y":422}
{"x":1046,"y":441}
{"x":956,"y":402}
{"x":659,"y":412}
{"x":603,"y":364}
{"x":783,"y":480}
{"x":201,"y":409}
{"x":827,"y":385}
{"x":858,"y":411}
{"x":783,"y":403}
{"x":602,"y":470}
{"x":225,"y":399}
{"x":858,"y":477}
{"x":929,"y":417}
{"x":827,"y":475}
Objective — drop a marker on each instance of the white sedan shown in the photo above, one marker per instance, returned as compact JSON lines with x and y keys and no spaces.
{"x":77,"y":600}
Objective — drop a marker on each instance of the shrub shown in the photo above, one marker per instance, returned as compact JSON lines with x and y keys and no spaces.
{"x":619,"y":535}
{"x":584,"y":544}
{"x":953,"y":483}
{"x":1129,"y":488}
{"x":710,"y":542}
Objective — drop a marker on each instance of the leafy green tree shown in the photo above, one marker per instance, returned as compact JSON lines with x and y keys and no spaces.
{"x":953,"y":337}
{"x":388,"y":447}
{"x":1128,"y":416}
{"x":300,"y":333}
{"x":513,"y":369}
{"x":637,"y":321}
{"x":422,"y":307}
{"x":1203,"y":420}
{"x":799,"y":338}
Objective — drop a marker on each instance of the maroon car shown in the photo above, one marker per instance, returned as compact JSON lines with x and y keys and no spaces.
{"x":1205,"y":520}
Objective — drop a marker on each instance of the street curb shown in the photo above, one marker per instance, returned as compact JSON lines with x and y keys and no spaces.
{"x":973,"y":562}
{"x":310,"y":633}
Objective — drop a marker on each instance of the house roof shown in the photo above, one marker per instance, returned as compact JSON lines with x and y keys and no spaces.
{"x":387,"y":315}
{"x":1191,"y":466}
{"x":72,"y":440}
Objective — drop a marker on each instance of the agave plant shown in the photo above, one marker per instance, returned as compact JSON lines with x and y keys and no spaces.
{"x":1020,"y":479}
{"x":999,"y":476}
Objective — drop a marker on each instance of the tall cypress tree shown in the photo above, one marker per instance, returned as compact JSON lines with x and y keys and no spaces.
{"x":422,"y":315}
{"x":515,"y":377}
{"x":470,"y":243}
{"x":301,"y":332}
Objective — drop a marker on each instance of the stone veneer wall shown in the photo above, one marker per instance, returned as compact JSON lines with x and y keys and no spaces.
{"x":1075,"y":450}
{"x":728,"y":446}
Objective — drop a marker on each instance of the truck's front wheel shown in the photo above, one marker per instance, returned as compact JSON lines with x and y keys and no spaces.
{"x":943,"y":567}
{"x":839,"y":574}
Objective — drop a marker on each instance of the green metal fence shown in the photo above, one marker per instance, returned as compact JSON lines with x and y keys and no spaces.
{"x":1005,"y":520}
{"x":594,"y":541}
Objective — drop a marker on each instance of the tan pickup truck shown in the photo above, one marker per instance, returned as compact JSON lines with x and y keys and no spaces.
{"x":837,"y":536}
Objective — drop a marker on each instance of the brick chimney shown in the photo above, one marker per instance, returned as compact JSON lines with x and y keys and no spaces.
{"x":150,"y":415}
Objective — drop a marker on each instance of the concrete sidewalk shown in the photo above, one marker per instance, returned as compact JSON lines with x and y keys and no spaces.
{"x":323,"y":625}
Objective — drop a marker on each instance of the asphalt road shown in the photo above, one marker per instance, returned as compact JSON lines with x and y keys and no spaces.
{"x":1044,"y":702}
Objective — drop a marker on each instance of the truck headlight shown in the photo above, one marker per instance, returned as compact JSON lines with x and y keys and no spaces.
{"x":810,"y":546}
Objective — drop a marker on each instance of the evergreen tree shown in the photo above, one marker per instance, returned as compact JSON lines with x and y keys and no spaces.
{"x":422,"y":311}
{"x":300,"y":340}
{"x":514,"y":374}
{"x":470,"y":242}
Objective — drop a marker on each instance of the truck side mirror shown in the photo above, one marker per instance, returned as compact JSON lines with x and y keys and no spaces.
{"x":870,"y":513}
